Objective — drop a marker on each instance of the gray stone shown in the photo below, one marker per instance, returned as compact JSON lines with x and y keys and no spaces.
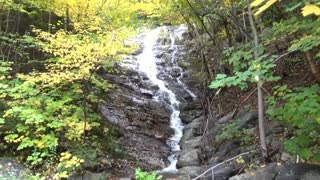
{"x":225,"y":118}
{"x":89,"y":176}
{"x":282,"y":172}
{"x":299,"y":171}
{"x":192,"y":171}
{"x":190,"y":106}
{"x":192,"y":143}
{"x":12,"y":169}
{"x":248,"y":120}
{"x":188,"y":158}
{"x":226,"y":148}
{"x":266,"y":173}
{"x":285,"y":156}
{"x":187,"y":134}
{"x":223,"y":173}
{"x":189,"y":116}
{"x":195,"y":124}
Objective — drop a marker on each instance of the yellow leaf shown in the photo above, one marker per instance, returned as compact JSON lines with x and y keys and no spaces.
{"x":265,"y":7}
{"x":310,"y":9}
{"x":256,"y":3}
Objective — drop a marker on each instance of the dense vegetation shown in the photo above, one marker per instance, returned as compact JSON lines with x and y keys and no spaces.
{"x":52,"y":52}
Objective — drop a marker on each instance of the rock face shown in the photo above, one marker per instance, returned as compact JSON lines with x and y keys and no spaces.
{"x":11,"y":169}
{"x":188,"y":157}
{"x":142,"y":113}
{"x":282,"y":172}
{"x":143,"y":123}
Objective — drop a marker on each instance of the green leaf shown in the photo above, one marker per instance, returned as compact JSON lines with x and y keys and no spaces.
{"x":290,"y":9}
{"x":26,"y":142}
{"x":305,"y":153}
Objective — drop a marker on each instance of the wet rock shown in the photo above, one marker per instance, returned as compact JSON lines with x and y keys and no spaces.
{"x":141,"y":112}
{"x":190,"y":106}
{"x":89,"y":176}
{"x":11,"y":169}
{"x":195,"y":124}
{"x":187,"y":135}
{"x":114,"y":115}
{"x":188,"y":157}
{"x":188,"y":116}
{"x":223,"y":172}
{"x":164,"y":41}
{"x":191,"y":143}
{"x":145,"y":149}
{"x":225,"y":149}
{"x":175,"y":72}
{"x":299,"y":171}
{"x":159,"y":55}
{"x":282,"y":172}
{"x":191,"y":171}
{"x":138,"y":50}
{"x":187,"y":97}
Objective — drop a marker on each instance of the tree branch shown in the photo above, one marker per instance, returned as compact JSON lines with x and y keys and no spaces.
{"x":212,"y":168}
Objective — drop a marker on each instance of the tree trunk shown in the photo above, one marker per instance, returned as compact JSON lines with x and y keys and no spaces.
{"x":49,"y":22}
{"x":7,"y":24}
{"x":315,"y":69}
{"x":260,"y":95}
{"x":200,"y":19}
{"x":66,"y":19}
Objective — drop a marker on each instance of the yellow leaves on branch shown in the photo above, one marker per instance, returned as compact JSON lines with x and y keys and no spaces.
{"x":267,"y":4}
{"x":311,"y":9}
{"x":256,"y":3}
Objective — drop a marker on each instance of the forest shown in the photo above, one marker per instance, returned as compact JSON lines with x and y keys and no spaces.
{"x":60,"y":60}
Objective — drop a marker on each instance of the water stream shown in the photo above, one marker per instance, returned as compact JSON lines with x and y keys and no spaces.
{"x":147,"y":64}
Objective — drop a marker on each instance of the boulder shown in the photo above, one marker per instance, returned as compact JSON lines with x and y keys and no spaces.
{"x":225,"y":118}
{"x":248,"y":120}
{"x":89,"y":176}
{"x":275,"y":171}
{"x":223,"y":172}
{"x":190,"y":106}
{"x":11,"y":169}
{"x":187,"y":135}
{"x":191,"y":171}
{"x":188,"y":158}
{"x":175,"y":72}
{"x":225,"y":149}
{"x":268,"y":172}
{"x":188,"y":116}
{"x":300,"y":171}
{"x":191,"y":143}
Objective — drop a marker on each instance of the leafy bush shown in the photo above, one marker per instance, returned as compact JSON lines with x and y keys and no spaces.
{"x":299,"y":109}
{"x":140,"y":175}
{"x":245,"y":69}
{"x":231,"y":131}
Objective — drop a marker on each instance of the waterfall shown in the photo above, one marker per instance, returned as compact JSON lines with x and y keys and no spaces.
{"x":147,"y":64}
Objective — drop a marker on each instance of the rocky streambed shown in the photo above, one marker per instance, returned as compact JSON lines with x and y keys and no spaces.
{"x":146,"y":100}
{"x":155,"y":87}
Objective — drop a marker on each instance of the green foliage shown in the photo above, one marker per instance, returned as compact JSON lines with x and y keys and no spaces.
{"x":299,"y":108}
{"x":232,"y":131}
{"x":140,"y":175}
{"x":67,"y":163}
{"x":261,"y":68}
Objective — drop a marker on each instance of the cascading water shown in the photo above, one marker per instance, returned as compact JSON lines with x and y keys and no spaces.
{"x":147,"y":65}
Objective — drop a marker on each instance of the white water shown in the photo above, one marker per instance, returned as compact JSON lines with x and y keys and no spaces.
{"x":147,"y":64}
